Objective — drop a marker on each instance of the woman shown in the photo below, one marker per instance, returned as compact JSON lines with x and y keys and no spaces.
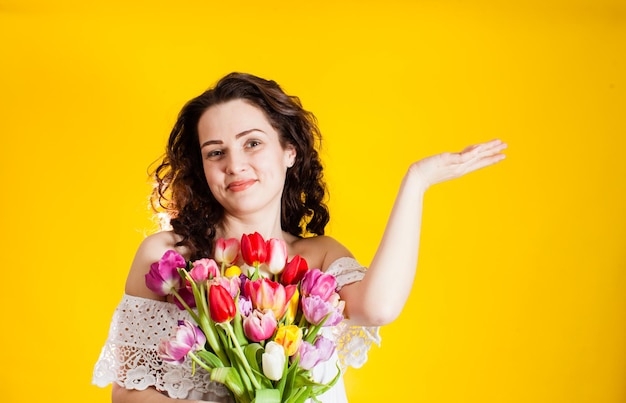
{"x":240,"y":159}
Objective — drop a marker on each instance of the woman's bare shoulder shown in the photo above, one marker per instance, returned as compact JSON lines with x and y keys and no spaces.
{"x":320,"y":251}
{"x":150,"y":250}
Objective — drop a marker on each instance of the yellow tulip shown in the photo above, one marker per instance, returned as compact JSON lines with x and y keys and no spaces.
{"x":289,"y":337}
{"x":292,"y":308}
{"x":232,"y":271}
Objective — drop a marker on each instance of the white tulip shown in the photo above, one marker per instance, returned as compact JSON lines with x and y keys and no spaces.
{"x":273,"y":361}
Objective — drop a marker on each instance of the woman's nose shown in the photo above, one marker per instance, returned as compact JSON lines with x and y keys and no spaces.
{"x":235,"y":163}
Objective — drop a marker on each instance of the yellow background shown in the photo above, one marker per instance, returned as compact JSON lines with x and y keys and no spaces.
{"x":520,"y":293}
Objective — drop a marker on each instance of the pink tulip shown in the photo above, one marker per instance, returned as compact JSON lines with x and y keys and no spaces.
{"x":204,"y":269}
{"x":267,"y":294}
{"x":276,"y":255}
{"x":188,"y":338}
{"x":253,"y":249}
{"x":232,"y":284}
{"x":163,"y":276}
{"x":226,"y":250}
{"x":316,"y":282}
{"x":259,"y":326}
{"x":294,"y":271}
{"x":315,"y":310}
{"x":221,"y":305}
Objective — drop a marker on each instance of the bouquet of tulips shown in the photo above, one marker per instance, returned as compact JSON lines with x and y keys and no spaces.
{"x":258,"y":334}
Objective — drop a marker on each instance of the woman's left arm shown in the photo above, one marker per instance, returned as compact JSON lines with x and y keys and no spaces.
{"x":379,"y":298}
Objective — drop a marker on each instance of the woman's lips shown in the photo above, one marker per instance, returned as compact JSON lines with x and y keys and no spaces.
{"x":239,"y":186}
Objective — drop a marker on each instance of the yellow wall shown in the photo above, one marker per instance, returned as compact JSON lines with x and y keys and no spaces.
{"x":520,"y":294}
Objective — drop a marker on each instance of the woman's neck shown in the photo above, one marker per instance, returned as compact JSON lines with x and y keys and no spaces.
{"x":235,"y":227}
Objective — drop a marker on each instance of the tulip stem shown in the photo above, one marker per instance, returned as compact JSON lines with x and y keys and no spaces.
{"x":314,"y":329}
{"x":208,"y":326}
{"x":184,"y":304}
{"x":202,"y":319}
{"x":229,"y":329}
{"x":199,"y":361}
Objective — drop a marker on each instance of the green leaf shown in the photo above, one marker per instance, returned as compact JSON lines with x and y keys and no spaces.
{"x":253,"y":354}
{"x":267,"y":396}
{"x":238,"y":329}
{"x":210,"y":358}
{"x":321,"y":388}
{"x":247,"y":384}
{"x":299,"y":396}
{"x":290,"y":377}
{"x":229,"y":377}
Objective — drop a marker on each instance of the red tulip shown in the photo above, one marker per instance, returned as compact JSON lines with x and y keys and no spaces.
{"x":294,"y":271}
{"x":253,"y":249}
{"x":221,"y":305}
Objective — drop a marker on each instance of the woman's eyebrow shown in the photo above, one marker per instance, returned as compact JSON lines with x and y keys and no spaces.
{"x":237,"y":136}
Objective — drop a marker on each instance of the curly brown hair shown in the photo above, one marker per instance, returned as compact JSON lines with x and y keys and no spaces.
{"x":181,"y":190}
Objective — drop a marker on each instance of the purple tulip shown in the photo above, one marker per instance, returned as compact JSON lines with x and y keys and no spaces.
{"x":187,"y":295}
{"x":325,"y":347}
{"x":163,"y":276}
{"x":315,"y":309}
{"x":311,"y":355}
{"x":188,"y":338}
{"x":245,"y":305}
{"x":316,"y":282}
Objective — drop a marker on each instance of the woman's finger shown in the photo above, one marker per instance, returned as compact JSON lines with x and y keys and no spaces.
{"x":484,"y":161}
{"x":484,"y":150}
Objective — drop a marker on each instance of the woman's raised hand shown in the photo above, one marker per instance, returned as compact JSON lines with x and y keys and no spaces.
{"x":446,"y":166}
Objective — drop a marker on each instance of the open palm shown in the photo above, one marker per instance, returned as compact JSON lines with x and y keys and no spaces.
{"x":445,"y":166}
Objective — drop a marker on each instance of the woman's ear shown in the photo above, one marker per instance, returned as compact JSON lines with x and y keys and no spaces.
{"x":290,"y":155}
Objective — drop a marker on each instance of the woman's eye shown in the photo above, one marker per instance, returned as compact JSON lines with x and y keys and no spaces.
{"x":253,"y":143}
{"x":214,"y":154}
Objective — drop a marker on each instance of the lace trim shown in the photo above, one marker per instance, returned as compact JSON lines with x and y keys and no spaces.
{"x":353,"y":342}
{"x":130,"y":359}
{"x":130,"y":356}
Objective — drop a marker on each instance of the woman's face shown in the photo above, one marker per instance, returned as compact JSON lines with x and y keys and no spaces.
{"x":244,"y":162}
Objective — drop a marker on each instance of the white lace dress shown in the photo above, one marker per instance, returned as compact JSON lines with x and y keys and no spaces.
{"x":130,"y":359}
